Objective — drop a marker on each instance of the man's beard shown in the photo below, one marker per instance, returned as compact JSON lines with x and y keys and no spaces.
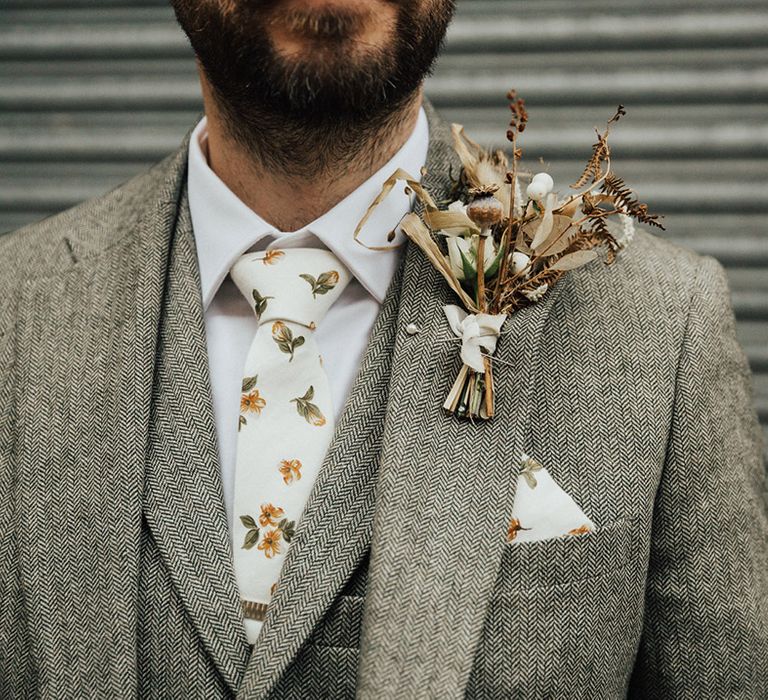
{"x":298,"y":110}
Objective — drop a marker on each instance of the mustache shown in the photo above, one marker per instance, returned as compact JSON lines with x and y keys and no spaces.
{"x":326,"y":23}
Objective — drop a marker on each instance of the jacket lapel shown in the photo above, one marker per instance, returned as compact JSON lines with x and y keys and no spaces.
{"x":119,"y":339}
{"x":183,"y":501}
{"x":444,"y":495}
{"x":86,"y":449}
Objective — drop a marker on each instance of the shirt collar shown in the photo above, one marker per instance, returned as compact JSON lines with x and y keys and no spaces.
{"x":225,"y":228}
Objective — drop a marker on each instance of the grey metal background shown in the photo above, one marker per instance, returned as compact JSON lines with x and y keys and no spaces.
{"x":93,"y":91}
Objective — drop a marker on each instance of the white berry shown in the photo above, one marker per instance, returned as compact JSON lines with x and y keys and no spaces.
{"x":545,"y":179}
{"x":519,"y":262}
{"x":537,"y":190}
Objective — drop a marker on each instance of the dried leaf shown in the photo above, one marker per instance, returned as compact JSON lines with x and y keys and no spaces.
{"x":573,"y":260}
{"x":440,"y":219}
{"x":544,"y":228}
{"x":570,"y":206}
{"x":561,"y":242}
{"x":469,"y":153}
{"x":414,"y":228}
{"x":560,"y":236}
{"x":419,"y":190}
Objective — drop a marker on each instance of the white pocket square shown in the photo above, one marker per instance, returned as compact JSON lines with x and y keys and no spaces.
{"x":542,"y":509}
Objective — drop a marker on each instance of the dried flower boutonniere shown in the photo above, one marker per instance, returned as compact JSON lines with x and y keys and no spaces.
{"x":500,"y":249}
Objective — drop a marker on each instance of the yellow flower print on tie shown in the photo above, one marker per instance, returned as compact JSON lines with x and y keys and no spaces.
{"x":307,"y":410}
{"x":270,"y":543}
{"x":272,"y":256}
{"x":250,"y":400}
{"x":283,"y":336}
{"x":290,"y":469}
{"x":324,"y":283}
{"x":270,"y":514}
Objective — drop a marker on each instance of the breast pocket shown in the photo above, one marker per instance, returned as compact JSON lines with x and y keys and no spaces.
{"x":568,"y":558}
{"x":566,"y":612}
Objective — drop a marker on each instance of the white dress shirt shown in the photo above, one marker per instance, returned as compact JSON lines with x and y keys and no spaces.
{"x":225,"y":228}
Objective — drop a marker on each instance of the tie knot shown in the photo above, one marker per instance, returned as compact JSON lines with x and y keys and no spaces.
{"x":297,"y":284}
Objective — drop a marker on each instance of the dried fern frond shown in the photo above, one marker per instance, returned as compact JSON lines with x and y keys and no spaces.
{"x":600,"y":153}
{"x":626,"y":200}
{"x":594,"y":166}
{"x":599,"y":233}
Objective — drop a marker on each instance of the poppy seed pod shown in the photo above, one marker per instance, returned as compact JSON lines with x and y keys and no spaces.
{"x":485,"y":211}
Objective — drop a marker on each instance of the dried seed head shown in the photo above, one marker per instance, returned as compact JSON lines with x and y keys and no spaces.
{"x":519,"y":115}
{"x":484,"y":209}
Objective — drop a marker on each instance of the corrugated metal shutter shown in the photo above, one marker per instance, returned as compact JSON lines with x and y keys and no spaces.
{"x":91,"y":91}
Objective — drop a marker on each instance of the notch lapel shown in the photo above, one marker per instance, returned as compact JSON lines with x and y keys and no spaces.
{"x":444,"y":495}
{"x":183,"y":500}
{"x":115,"y":400}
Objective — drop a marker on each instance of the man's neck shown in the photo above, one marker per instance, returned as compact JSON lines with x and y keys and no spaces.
{"x":280,"y":195}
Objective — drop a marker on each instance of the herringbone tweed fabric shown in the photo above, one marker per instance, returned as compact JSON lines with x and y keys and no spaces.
{"x":626,"y":381}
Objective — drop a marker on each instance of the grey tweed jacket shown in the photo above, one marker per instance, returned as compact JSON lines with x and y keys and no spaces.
{"x":626,"y":381}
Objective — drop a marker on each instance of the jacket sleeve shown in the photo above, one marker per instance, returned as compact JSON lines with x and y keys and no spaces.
{"x":705,"y":631}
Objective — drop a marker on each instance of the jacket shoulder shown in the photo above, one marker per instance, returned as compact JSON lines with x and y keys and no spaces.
{"x":84,"y":231}
{"x":654,"y":276}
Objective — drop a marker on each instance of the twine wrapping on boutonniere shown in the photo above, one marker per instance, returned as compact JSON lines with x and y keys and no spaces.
{"x":499,"y":249}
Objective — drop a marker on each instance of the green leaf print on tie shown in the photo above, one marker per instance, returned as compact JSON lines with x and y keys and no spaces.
{"x":260,"y":302}
{"x":252,"y":536}
{"x":283,"y":336}
{"x":324,"y":283}
{"x":307,"y":410}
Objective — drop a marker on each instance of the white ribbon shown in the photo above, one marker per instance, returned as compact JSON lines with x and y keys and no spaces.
{"x":477,"y":332}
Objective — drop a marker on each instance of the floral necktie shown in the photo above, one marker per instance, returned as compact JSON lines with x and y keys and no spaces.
{"x":286,"y":416}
